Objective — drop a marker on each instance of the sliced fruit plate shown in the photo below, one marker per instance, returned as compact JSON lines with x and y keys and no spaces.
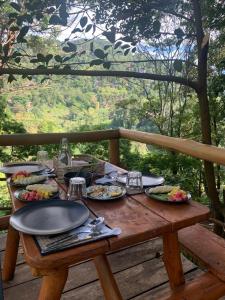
{"x":168,"y":193}
{"x":24,"y":178}
{"x":37,"y":192}
{"x":104,"y":192}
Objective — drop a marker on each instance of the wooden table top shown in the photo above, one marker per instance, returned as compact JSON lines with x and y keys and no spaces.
{"x":139,"y":218}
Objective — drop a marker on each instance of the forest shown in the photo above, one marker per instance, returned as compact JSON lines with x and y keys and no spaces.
{"x":40,"y":102}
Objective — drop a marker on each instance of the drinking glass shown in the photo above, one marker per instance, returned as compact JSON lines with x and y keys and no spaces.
{"x":134,"y":182}
{"x":77,"y":189}
{"x":42,"y":157}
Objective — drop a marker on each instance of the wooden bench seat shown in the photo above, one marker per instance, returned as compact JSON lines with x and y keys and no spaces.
{"x":205,"y":246}
{"x":204,"y":287}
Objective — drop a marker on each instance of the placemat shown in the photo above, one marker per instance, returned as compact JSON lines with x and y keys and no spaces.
{"x":76,"y":237}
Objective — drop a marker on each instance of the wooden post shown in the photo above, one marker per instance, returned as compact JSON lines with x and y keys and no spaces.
{"x":172,"y":259}
{"x":11,"y":251}
{"x":107,"y":280}
{"x":114,"y":152}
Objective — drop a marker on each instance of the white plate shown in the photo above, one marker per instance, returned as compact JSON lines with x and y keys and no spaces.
{"x":146,"y":180}
{"x":18,"y":167}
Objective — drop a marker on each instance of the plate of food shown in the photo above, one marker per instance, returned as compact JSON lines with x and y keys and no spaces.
{"x":168,"y":193}
{"x":24,"y":178}
{"x":37,"y":192}
{"x":29,"y":167}
{"x":105,"y":192}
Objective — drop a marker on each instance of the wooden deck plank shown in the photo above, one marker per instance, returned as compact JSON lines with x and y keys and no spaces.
{"x":160,"y":291}
{"x":132,"y":266}
{"x":131,"y":282}
{"x":85,"y":272}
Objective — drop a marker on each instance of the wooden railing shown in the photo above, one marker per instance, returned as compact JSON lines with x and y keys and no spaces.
{"x":185,"y":146}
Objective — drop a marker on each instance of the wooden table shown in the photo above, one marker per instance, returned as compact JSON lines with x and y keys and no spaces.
{"x":140,"y":219}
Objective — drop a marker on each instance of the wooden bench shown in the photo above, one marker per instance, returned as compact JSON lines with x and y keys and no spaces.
{"x":209,"y":250}
{"x":206,"y":247}
{"x":204,"y":287}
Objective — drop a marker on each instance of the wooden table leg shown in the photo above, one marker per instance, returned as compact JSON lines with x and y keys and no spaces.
{"x":172,"y":259}
{"x":53,"y":284}
{"x":11,"y":251}
{"x":107,"y":280}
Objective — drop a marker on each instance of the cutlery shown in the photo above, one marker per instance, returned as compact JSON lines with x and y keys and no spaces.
{"x":94,"y":228}
{"x":115,"y":231}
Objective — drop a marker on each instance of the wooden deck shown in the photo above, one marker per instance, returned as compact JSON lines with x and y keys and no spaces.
{"x":139,"y":272}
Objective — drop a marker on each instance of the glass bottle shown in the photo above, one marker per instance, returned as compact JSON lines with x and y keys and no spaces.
{"x":65,"y":157}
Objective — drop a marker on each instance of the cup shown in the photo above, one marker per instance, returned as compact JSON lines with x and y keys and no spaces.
{"x":42,"y":157}
{"x":134,"y":182}
{"x":77,"y":189}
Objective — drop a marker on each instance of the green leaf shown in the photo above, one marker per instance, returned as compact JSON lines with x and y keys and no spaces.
{"x":134,"y":50}
{"x":88,"y":28}
{"x":41,"y":67}
{"x":40,"y":57}
{"x":73,"y":47}
{"x":125,"y":46}
{"x":117,"y":44}
{"x":99,"y":53}
{"x":23,"y":31}
{"x":17,"y":60}
{"x":44,"y":79}
{"x":178,"y":65}
{"x":67,"y":67}
{"x":48,"y":57}
{"x":110,"y":35}
{"x":91,"y":46}
{"x":55,"y":20}
{"x":156,"y":26}
{"x":83,"y":21}
{"x":11,"y":78}
{"x":96,"y":62}
{"x":126,"y":52}
{"x":58,"y":58}
{"x":179,"y":33}
{"x":76,"y":30}
{"x":33,"y":61}
{"x":107,"y":47}
{"x":16,"y":6}
{"x":107,"y":65}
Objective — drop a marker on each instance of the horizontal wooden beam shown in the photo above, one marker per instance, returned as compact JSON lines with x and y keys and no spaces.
{"x":189,"y":147}
{"x":54,"y":138}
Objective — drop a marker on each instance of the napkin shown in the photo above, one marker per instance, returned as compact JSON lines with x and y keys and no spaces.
{"x":75,"y":237}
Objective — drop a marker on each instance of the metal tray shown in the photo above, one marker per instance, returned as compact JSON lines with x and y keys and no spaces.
{"x":17,"y":167}
{"x":150,"y":180}
{"x":49,"y":217}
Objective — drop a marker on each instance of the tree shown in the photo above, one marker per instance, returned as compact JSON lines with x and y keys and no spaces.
{"x":128,"y":26}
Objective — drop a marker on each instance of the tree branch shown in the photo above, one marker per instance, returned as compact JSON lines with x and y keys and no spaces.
{"x":66,"y":71}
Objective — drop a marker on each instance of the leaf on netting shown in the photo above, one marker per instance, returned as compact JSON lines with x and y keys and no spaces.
{"x":83,"y":21}
{"x":178,"y":65}
{"x":99,"y":53}
{"x":96,"y":62}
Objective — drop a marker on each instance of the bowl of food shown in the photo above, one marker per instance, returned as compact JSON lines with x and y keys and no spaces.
{"x":86,"y":175}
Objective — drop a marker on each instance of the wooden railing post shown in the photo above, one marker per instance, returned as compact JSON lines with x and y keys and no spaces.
{"x":114,"y":151}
